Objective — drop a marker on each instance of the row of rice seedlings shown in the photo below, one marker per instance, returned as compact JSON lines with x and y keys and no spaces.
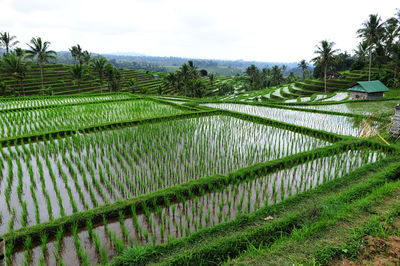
{"x":116,"y":241}
{"x":41,"y":102}
{"x":211,"y":208}
{"x":105,"y":166}
{"x":44,"y":189}
{"x":82,"y":174}
{"x":53,"y":179}
{"x":80,"y":251}
{"x":160,"y":224}
{"x":23,"y":157}
{"x":59,"y":239}
{"x":332,"y":123}
{"x":363,"y":108}
{"x":24,"y":122}
{"x":95,"y":238}
{"x":28,"y":251}
{"x":33,"y":184}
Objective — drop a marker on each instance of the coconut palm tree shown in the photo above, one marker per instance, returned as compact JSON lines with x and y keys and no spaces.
{"x":276,"y":75}
{"x":77,"y":54}
{"x":77,"y":72}
{"x":171,"y":80}
{"x":304,"y":67}
{"x":395,"y":57}
{"x":371,"y":31}
{"x":19,"y":51}
{"x":212,"y":78}
{"x":7,"y":41}
{"x":113,"y":76}
{"x":99,"y":65}
{"x":39,"y":50}
{"x":86,"y":57}
{"x":391,"y":32}
{"x":362,"y":49}
{"x":326,"y":55}
{"x":132,"y":85}
{"x":16,"y":67}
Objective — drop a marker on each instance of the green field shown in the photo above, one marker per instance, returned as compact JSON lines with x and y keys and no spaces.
{"x":127,"y":179}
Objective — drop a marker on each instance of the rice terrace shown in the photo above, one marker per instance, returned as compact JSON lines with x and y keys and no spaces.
{"x":119,"y":159}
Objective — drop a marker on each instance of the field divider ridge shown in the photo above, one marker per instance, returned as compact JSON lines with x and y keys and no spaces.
{"x":258,"y":232}
{"x":193,"y":187}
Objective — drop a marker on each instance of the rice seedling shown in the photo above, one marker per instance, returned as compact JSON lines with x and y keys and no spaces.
{"x":69,"y":174}
{"x":191,"y":213}
{"x":20,"y":123}
{"x":332,"y":123}
{"x":32,"y":102}
{"x":79,"y":250}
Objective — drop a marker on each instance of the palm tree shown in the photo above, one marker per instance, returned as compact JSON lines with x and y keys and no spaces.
{"x":276,"y":75}
{"x":391,"y":32}
{"x":99,"y":65}
{"x":77,"y":72}
{"x":304,"y":67}
{"x":371,"y":31}
{"x":16,"y":67}
{"x":39,"y":50}
{"x":77,"y":54}
{"x":253,"y":74}
{"x":171,"y":80}
{"x":326,"y":54}
{"x":212,"y":78}
{"x":266,"y":73}
{"x":113,"y":76}
{"x":86,"y":57}
{"x":361,"y":50}
{"x":7,"y":41}
{"x":132,"y":84}
{"x":395,"y":57}
{"x":19,"y":51}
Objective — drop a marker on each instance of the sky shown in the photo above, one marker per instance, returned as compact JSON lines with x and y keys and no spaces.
{"x":273,"y":31}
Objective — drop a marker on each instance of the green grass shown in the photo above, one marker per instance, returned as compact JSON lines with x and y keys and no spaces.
{"x":224,"y":241}
{"x":329,"y":239}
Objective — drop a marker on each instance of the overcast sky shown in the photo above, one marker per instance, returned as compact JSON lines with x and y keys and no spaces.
{"x":278,"y":30}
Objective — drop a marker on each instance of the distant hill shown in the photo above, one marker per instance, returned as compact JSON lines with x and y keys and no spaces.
{"x":133,"y":60}
{"x":125,"y":54}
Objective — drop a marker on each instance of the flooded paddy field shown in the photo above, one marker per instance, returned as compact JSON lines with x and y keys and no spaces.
{"x":85,"y":171}
{"x":37,"y":121}
{"x":99,"y":243}
{"x":338,"y":124}
{"x":42,"y":101}
{"x":362,"y":108}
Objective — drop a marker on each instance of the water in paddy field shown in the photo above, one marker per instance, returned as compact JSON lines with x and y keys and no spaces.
{"x":340,"y":96}
{"x":208,"y":209}
{"x":20,"y":123}
{"x":29,"y":103}
{"x":338,"y":124}
{"x":363,"y":108}
{"x":85,"y":171}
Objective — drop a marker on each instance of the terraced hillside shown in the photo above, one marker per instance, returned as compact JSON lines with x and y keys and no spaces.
{"x":157,"y":180}
{"x":58,"y":77}
{"x":349,"y":78}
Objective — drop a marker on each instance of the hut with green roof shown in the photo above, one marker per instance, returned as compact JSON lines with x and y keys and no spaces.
{"x":371,"y":90}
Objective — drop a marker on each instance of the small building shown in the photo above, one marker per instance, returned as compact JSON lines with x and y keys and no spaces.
{"x":370,"y":90}
{"x":154,"y":76}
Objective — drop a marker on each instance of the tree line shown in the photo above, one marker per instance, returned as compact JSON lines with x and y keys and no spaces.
{"x":379,"y":47}
{"x":187,"y":80}
{"x":17,"y":62}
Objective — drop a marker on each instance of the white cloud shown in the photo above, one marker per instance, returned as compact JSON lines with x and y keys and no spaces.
{"x":253,"y":30}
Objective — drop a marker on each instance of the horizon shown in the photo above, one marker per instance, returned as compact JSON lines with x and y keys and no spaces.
{"x":258,"y":31}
